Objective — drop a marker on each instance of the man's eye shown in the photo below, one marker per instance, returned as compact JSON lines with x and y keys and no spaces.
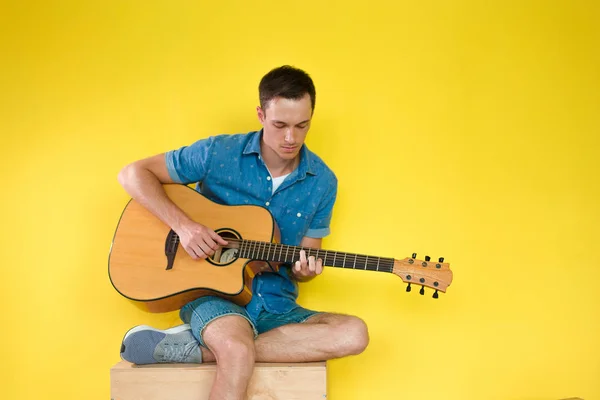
{"x":279,"y":126}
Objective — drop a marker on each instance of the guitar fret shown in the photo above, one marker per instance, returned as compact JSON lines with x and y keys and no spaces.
{"x":267,"y":251}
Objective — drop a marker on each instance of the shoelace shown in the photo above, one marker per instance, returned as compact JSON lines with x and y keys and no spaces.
{"x":175,"y":352}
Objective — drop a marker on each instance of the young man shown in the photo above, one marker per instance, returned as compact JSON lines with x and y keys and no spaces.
{"x":272,"y":168}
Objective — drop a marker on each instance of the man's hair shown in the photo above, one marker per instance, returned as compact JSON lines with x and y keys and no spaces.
{"x":287,"y":82}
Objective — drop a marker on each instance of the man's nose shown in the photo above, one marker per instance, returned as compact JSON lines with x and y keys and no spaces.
{"x":289,"y":135}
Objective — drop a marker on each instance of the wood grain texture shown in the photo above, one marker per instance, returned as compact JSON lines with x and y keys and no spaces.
{"x":285,"y":381}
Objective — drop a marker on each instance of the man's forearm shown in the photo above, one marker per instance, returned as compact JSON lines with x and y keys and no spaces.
{"x":144,"y":187}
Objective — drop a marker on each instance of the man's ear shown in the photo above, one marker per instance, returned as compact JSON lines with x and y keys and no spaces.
{"x":260,"y":114}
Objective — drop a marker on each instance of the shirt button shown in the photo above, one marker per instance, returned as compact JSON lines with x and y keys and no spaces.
{"x":298,"y":215}
{"x":267,"y":203}
{"x":268,"y":178}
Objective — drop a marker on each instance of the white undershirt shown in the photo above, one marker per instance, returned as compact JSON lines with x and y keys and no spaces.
{"x":277,"y":181}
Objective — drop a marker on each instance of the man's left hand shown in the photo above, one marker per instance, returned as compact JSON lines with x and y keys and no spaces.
{"x":307,"y":268}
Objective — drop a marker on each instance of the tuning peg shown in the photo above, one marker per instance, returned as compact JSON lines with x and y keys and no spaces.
{"x":427,"y":258}
{"x":435,"y":295}
{"x":422,"y":291}
{"x":408,"y":287}
{"x":414,"y":255}
{"x":441,"y":259}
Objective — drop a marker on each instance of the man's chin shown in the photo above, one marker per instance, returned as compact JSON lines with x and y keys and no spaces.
{"x":288,"y":155}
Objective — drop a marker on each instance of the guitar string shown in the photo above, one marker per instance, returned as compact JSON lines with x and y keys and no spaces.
{"x":383,"y":265}
{"x":350,"y":258}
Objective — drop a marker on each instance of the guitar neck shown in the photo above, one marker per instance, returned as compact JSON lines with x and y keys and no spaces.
{"x":277,"y":252}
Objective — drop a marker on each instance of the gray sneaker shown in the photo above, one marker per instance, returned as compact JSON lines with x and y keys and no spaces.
{"x":147,"y":345}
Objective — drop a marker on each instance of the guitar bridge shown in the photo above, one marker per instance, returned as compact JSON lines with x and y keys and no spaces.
{"x":171,"y":244}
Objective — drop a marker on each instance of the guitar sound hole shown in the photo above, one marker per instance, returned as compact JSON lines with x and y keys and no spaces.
{"x":227,"y":254}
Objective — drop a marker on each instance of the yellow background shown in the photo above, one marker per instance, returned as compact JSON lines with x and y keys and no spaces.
{"x":462,"y":129}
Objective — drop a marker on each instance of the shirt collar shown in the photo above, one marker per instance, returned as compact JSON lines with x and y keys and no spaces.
{"x":306,"y":165}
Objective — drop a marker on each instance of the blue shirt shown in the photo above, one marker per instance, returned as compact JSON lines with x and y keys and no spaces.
{"x":228,"y":169}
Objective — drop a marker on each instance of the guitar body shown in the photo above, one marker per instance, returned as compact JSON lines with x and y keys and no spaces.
{"x":139,"y":264}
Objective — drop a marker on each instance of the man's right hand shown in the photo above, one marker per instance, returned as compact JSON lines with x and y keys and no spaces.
{"x":199,"y":241}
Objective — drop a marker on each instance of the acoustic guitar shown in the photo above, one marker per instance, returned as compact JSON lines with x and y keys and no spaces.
{"x":148,"y":265}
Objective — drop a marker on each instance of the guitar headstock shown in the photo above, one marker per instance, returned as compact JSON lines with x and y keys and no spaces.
{"x":435,"y":275}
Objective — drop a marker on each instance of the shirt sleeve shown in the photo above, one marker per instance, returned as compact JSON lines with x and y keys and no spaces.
{"x":319,"y":226}
{"x":189,"y":164}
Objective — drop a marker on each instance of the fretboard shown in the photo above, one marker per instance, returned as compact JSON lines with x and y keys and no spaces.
{"x":277,"y":252}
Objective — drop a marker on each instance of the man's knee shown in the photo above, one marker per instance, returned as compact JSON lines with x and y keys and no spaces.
{"x":231,"y":340}
{"x":234,"y":349}
{"x":354,"y":335}
{"x":351,"y":333}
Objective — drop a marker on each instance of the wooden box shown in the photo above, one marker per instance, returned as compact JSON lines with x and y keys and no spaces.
{"x":305,"y":381}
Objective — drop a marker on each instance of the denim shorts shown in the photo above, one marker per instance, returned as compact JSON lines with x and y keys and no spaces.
{"x":200,"y":312}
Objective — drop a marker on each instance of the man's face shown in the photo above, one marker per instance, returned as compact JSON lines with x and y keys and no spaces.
{"x":286,"y":123}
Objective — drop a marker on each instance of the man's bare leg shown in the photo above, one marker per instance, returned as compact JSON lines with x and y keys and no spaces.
{"x":322,"y":337}
{"x":231,"y":343}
